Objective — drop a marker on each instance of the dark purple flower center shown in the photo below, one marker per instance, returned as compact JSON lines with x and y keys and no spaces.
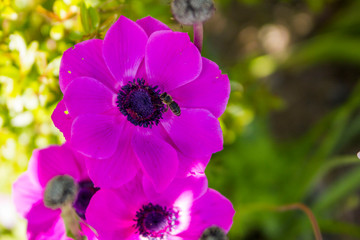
{"x":140,"y":103}
{"x":155,"y":221}
{"x":86,"y":191}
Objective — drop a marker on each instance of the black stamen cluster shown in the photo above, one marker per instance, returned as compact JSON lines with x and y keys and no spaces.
{"x":140,"y":103}
{"x":155,"y":221}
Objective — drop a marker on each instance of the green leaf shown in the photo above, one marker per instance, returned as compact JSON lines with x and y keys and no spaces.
{"x":340,"y":228}
{"x":84,"y":15}
{"x":338,"y":191}
{"x":334,"y":131}
{"x":94,"y":18}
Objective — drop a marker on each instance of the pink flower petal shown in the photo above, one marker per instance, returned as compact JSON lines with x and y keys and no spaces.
{"x":158,"y":158}
{"x":115,"y":210}
{"x":132,"y":194}
{"x":58,"y":232}
{"x":44,"y":223}
{"x":196,"y":185}
{"x":151,"y":25}
{"x":211,"y":209}
{"x":141,"y":73}
{"x":85,"y":59}
{"x":196,"y":132}
{"x":53,"y":161}
{"x":174,"y":238}
{"x":55,"y":231}
{"x":62,"y":120}
{"x":171,"y":60}
{"x":192,"y":166}
{"x":119,"y":168}
{"x":26,"y":192}
{"x":95,"y":135}
{"x":210,"y":90}
{"x":124,"y":49}
{"x":87,"y":95}
{"x":87,"y":231}
{"x":81,"y":162}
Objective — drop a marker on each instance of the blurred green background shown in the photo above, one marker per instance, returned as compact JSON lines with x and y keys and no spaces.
{"x":291,"y":129}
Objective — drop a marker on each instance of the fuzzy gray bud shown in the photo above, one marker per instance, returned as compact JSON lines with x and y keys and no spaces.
{"x":214,"y":233}
{"x":189,"y":12}
{"x":60,"y":191}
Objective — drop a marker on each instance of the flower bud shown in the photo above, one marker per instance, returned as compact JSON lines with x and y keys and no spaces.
{"x":189,"y":12}
{"x":60,"y":191}
{"x":213,"y":233}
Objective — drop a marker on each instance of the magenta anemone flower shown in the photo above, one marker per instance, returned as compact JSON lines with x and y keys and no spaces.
{"x":142,"y":98}
{"x":38,"y":193}
{"x":136,"y":211}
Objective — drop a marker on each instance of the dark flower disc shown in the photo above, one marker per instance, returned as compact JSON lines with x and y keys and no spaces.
{"x":86,"y":191}
{"x":140,"y":103}
{"x":155,"y":221}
